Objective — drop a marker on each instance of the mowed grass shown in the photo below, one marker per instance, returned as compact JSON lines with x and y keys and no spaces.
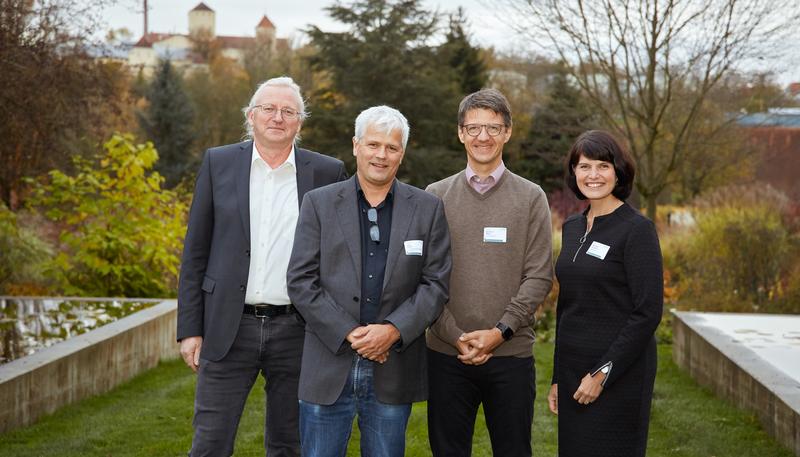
{"x":151,"y":416}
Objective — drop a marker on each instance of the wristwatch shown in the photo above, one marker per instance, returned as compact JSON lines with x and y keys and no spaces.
{"x":505,"y":330}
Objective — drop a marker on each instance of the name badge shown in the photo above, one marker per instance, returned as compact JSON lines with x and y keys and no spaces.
{"x":598,"y":250}
{"x":413,"y":247}
{"x":494,"y":234}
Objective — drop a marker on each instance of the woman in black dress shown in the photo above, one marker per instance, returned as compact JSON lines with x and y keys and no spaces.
{"x":609,"y":305}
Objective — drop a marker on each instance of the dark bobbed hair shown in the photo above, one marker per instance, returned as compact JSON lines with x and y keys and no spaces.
{"x":601,"y":145}
{"x":491,"y":99}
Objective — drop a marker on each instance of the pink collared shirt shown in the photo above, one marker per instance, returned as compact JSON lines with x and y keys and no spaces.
{"x":483,"y":185}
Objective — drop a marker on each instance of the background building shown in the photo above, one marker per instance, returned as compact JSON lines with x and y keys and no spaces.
{"x":195,"y":48}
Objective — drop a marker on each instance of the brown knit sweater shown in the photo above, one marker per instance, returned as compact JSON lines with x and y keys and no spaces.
{"x":494,"y":282}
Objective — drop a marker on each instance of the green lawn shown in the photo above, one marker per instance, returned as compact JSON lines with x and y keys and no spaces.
{"x":151,"y":416}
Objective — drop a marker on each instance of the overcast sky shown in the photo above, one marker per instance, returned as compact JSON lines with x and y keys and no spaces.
{"x":239,"y":18}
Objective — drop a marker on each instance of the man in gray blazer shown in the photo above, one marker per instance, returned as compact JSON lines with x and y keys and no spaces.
{"x":369,"y":272}
{"x":235,"y":319}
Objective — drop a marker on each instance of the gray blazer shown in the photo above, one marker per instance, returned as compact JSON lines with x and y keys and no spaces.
{"x":216,"y":250}
{"x":325,"y":284}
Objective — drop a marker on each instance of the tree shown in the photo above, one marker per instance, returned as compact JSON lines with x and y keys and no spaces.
{"x":719,"y":150}
{"x":757,"y":92}
{"x":383,"y":58}
{"x":54,"y":96}
{"x":632,"y":58}
{"x":167,"y":122}
{"x":205,"y":47}
{"x":524,"y":79}
{"x":267,"y":58}
{"x":465,"y":59}
{"x":555,"y":126}
{"x":121,"y":232}
{"x":723,"y":156}
{"x":219,"y":93}
{"x":24,"y":253}
{"x":727,"y":153}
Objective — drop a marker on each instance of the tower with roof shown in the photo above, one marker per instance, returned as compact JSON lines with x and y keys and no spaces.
{"x":179,"y":48}
{"x":202,"y":19}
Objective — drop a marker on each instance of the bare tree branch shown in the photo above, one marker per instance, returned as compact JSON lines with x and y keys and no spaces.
{"x":630,"y":57}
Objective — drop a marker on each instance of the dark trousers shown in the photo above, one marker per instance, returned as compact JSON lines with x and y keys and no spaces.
{"x":505,"y":385}
{"x":272,"y":347}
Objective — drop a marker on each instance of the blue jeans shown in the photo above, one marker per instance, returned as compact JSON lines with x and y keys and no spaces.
{"x":325,"y":429}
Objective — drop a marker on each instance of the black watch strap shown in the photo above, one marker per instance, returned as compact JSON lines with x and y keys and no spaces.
{"x":505,"y":330}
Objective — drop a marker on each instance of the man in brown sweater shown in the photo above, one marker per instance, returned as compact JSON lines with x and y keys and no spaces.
{"x":480,"y":348}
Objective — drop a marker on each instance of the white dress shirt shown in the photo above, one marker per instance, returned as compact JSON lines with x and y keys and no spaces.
{"x":273,"y":217}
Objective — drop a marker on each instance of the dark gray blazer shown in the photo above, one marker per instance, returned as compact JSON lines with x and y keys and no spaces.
{"x":325,"y":285}
{"x":216,"y":251}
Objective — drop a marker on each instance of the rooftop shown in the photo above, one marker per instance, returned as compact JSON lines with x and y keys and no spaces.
{"x":266,"y":23}
{"x":202,"y":7}
{"x":774,"y":117}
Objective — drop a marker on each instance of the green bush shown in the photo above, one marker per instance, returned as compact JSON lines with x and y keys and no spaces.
{"x":23,"y":257}
{"x":789,"y":302}
{"x":121,"y":233}
{"x":740,"y":254}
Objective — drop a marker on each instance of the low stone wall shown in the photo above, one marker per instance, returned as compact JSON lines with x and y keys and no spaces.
{"x":735,"y":373}
{"x":86,"y":365}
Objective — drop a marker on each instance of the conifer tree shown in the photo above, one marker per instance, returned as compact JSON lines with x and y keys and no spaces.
{"x":464,"y":58}
{"x":167,"y":122}
{"x":555,"y":126}
{"x":384,"y":57}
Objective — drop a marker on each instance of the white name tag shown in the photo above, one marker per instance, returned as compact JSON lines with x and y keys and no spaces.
{"x":494,"y":234}
{"x":598,"y":250}
{"x":413,"y":247}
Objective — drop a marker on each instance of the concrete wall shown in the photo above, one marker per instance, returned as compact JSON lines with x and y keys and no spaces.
{"x":86,"y":365}
{"x":735,"y":373}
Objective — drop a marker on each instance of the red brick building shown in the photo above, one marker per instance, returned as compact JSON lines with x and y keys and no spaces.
{"x":776,"y":138}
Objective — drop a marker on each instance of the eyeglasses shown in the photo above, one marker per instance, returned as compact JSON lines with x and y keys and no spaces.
{"x":475,"y":129}
{"x":271,"y":110}
{"x":374,"y":231}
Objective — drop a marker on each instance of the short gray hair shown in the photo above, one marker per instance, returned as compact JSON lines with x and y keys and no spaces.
{"x":283,"y":81}
{"x":382,"y":117}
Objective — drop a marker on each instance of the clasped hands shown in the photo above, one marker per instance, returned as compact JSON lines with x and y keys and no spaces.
{"x":476,"y":347}
{"x":373,"y":341}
